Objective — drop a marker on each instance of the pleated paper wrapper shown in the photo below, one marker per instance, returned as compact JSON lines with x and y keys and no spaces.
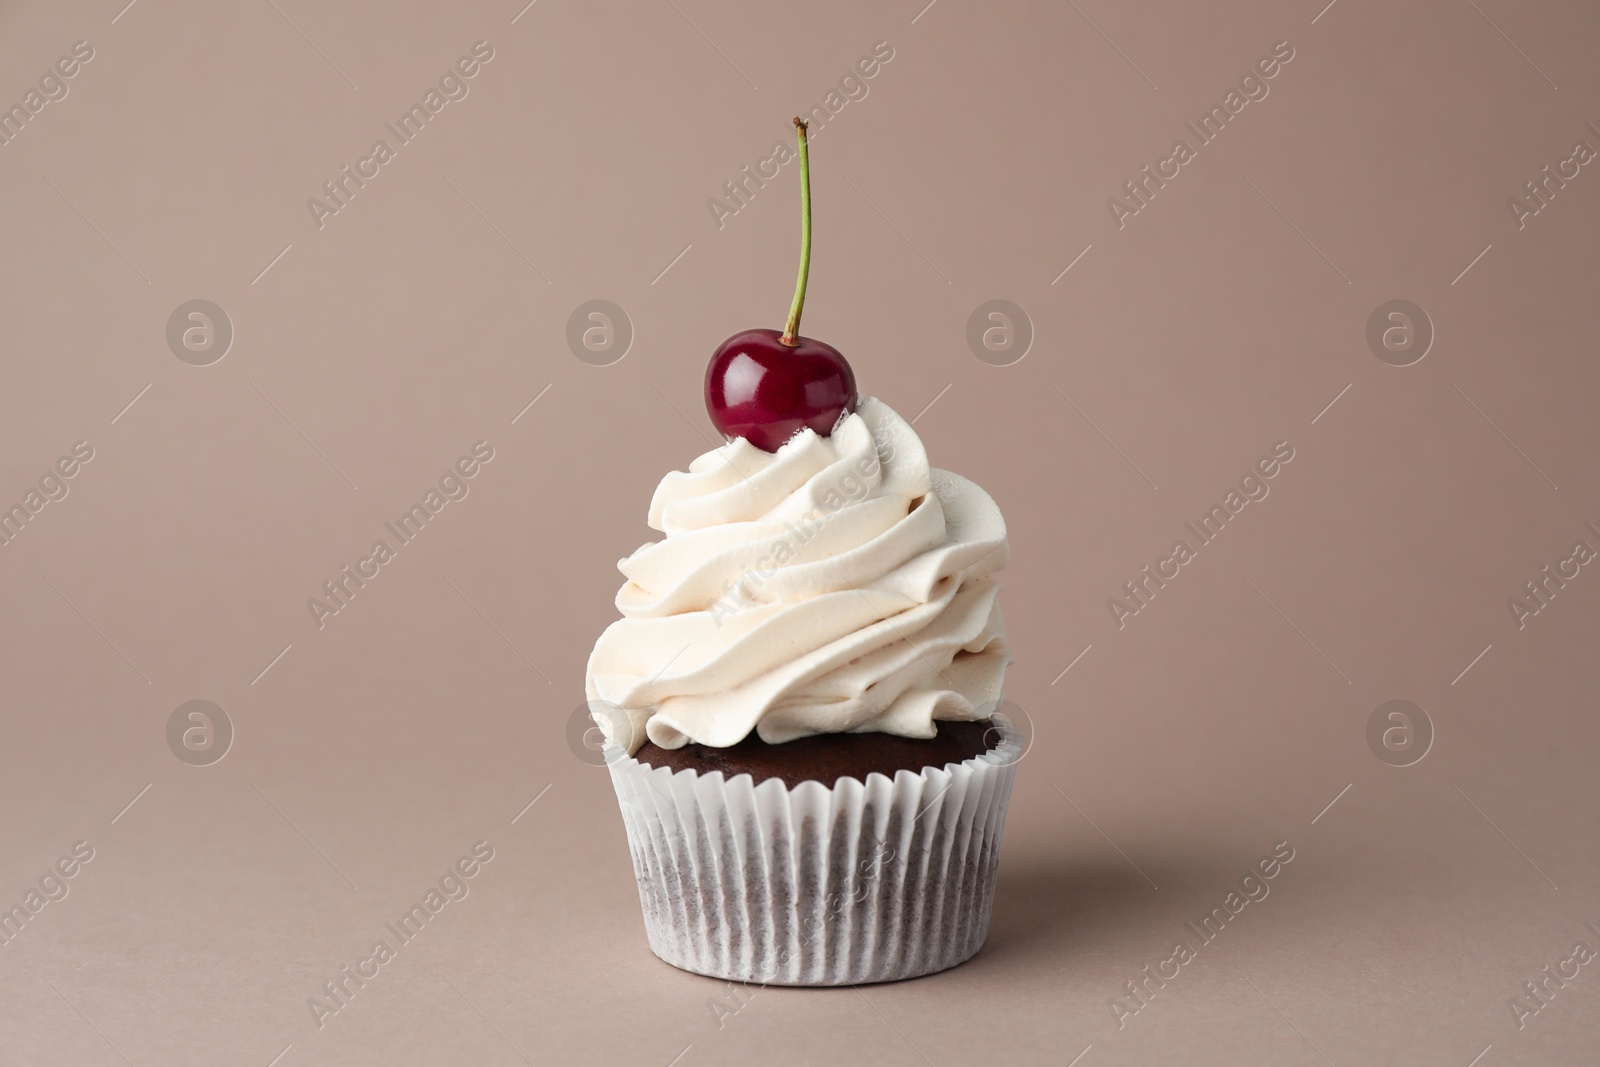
{"x":815,"y":886}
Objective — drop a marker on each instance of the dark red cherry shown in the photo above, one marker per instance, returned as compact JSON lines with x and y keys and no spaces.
{"x":766,"y":386}
{"x":760,"y":389}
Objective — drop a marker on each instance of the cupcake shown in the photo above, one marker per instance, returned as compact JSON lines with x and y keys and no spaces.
{"x":799,"y":700}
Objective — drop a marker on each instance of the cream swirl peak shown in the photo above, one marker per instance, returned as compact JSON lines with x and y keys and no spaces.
{"x":837,"y":585}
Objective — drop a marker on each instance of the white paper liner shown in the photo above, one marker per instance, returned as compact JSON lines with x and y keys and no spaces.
{"x":817,"y":886}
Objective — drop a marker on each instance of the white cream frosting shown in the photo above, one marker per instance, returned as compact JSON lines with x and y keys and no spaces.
{"x":837,"y":585}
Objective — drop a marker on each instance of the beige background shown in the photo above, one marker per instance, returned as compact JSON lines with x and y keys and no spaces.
{"x":427,"y":314}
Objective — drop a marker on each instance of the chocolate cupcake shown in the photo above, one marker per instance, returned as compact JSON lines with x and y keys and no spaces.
{"x":797,"y":703}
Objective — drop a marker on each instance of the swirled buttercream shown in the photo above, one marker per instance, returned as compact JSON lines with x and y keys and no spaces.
{"x":837,"y":585}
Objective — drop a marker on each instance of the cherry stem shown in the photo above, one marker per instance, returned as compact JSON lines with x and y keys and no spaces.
{"x":791,"y":329}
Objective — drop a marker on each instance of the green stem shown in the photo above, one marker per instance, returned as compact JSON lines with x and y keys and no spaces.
{"x":791,"y":329}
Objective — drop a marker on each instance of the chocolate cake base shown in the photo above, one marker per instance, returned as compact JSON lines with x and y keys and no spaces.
{"x":874,"y":880}
{"x":827,"y":758}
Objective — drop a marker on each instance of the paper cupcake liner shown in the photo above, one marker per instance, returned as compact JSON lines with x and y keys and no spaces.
{"x":816,"y":886}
